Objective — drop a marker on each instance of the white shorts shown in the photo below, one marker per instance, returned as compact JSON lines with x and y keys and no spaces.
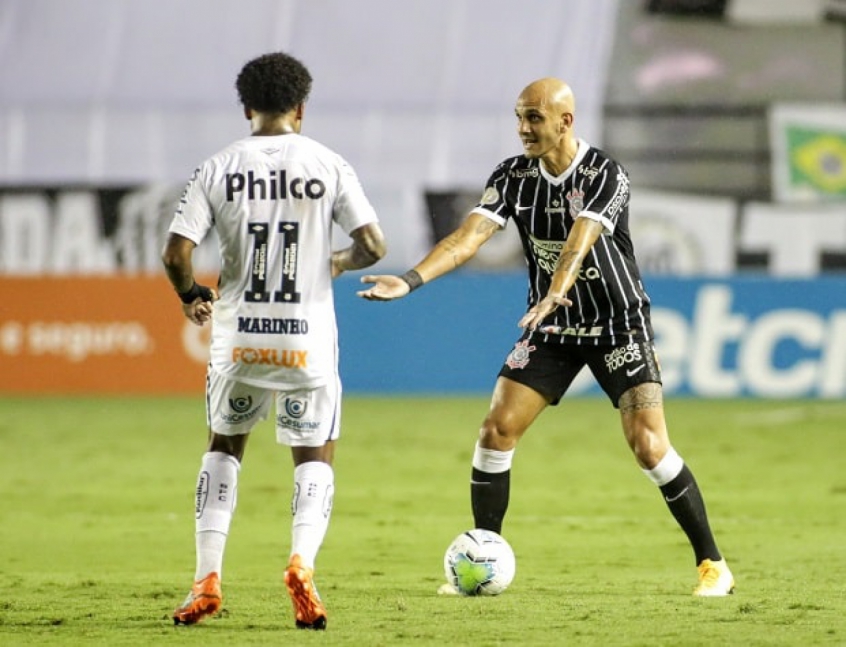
{"x":304,"y":417}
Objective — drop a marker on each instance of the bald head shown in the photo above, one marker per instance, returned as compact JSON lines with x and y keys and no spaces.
{"x":545,"y":114}
{"x":550,"y":93}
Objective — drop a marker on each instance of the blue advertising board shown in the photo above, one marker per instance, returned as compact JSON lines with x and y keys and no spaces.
{"x":738,"y":337}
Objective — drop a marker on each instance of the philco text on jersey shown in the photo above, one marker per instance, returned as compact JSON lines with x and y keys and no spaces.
{"x":273,"y":187}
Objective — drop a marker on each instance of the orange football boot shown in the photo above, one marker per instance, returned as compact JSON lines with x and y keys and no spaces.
{"x":204,"y":600}
{"x":308,"y":609}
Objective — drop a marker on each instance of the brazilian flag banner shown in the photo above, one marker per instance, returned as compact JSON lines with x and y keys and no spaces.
{"x":809,"y":152}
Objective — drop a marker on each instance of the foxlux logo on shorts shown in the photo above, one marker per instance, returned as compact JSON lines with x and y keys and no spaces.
{"x":243,"y":410}
{"x":623,"y":356}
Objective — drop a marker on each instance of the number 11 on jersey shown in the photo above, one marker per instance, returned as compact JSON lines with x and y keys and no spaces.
{"x":287,"y":293}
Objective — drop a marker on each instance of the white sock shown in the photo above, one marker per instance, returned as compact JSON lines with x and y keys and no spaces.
{"x":210,"y":547}
{"x":667,"y":468}
{"x":492,"y":461}
{"x":216,"y":497}
{"x":311,"y":505}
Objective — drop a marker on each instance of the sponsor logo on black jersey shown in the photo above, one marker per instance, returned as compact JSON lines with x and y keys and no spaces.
{"x":273,"y":186}
{"x":589,"y":274}
{"x":621,"y":196}
{"x":573,"y":331}
{"x":524,"y":172}
{"x":558,"y":206}
{"x":589,"y":172}
{"x":546,"y":253}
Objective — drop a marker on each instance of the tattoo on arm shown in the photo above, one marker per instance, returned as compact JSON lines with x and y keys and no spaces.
{"x":487,"y":226}
{"x":568,"y":260}
{"x":460,"y":247}
{"x":643,"y":396}
{"x":451,"y":244}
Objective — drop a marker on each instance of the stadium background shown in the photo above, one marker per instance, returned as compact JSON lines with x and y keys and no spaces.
{"x":729,"y":115}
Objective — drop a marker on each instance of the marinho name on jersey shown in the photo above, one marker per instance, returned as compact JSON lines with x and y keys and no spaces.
{"x":274,"y":186}
{"x":268,"y":326}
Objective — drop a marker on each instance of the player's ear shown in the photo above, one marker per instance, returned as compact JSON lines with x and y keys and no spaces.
{"x":248,"y":113}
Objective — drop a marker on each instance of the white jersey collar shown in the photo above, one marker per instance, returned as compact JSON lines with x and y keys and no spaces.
{"x":558,"y":179}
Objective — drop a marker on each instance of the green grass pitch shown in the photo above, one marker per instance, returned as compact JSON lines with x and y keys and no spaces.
{"x":96,"y":527}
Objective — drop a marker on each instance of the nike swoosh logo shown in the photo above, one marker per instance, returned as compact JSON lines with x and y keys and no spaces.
{"x":678,"y":496}
{"x":634,"y":370}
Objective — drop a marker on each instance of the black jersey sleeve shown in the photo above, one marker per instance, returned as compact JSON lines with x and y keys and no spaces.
{"x":606,"y":194}
{"x":493,"y":202}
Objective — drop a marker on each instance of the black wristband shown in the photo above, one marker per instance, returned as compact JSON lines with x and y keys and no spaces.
{"x":196,"y":290}
{"x":413,"y":279}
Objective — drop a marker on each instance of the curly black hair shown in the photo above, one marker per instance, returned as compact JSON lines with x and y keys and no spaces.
{"x":274,"y":82}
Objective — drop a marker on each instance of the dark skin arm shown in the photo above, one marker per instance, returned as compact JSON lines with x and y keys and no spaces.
{"x":367,"y":248}
{"x":177,"y":259}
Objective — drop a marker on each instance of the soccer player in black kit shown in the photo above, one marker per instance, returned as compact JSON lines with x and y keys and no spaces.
{"x":587,"y":306}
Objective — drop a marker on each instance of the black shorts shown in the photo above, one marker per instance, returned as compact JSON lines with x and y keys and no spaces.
{"x":550,"y":367}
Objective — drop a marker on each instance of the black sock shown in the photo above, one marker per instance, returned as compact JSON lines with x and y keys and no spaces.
{"x":489,"y":498}
{"x":685,"y":502}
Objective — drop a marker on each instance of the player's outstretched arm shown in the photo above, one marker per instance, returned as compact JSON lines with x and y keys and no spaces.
{"x":584,"y":234}
{"x":453,"y":251}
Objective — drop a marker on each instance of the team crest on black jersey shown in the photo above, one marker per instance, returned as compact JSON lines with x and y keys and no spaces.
{"x":519,"y":355}
{"x":576,"y":198}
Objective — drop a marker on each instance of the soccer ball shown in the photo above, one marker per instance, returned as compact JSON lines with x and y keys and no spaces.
{"x":479,"y":562}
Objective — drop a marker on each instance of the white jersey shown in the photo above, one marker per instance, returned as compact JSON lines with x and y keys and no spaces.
{"x":272,"y":201}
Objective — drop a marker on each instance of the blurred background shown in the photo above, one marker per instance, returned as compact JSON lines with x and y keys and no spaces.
{"x":728,"y":114}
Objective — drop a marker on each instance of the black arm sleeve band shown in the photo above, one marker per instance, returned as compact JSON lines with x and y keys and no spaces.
{"x":196,"y":290}
{"x":413,"y":279}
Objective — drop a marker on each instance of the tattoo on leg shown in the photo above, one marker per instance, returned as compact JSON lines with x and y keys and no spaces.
{"x":642,"y":396}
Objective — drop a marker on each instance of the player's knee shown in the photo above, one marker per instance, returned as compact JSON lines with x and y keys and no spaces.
{"x":648,"y":446}
{"x":497,"y":434}
{"x":232,"y":445}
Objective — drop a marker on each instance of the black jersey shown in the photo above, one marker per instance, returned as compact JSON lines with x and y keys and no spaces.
{"x":610,"y":305}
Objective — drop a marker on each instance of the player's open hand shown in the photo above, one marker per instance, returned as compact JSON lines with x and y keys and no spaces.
{"x":198,"y":311}
{"x":385,"y":287}
{"x":544,"y":308}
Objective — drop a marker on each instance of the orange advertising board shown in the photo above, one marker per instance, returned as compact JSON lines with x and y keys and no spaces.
{"x":98,"y":336}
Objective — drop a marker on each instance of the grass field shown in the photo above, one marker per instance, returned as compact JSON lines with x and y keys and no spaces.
{"x":96,"y":527}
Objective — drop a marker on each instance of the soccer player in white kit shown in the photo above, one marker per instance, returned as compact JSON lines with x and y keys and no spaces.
{"x":272,"y":199}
